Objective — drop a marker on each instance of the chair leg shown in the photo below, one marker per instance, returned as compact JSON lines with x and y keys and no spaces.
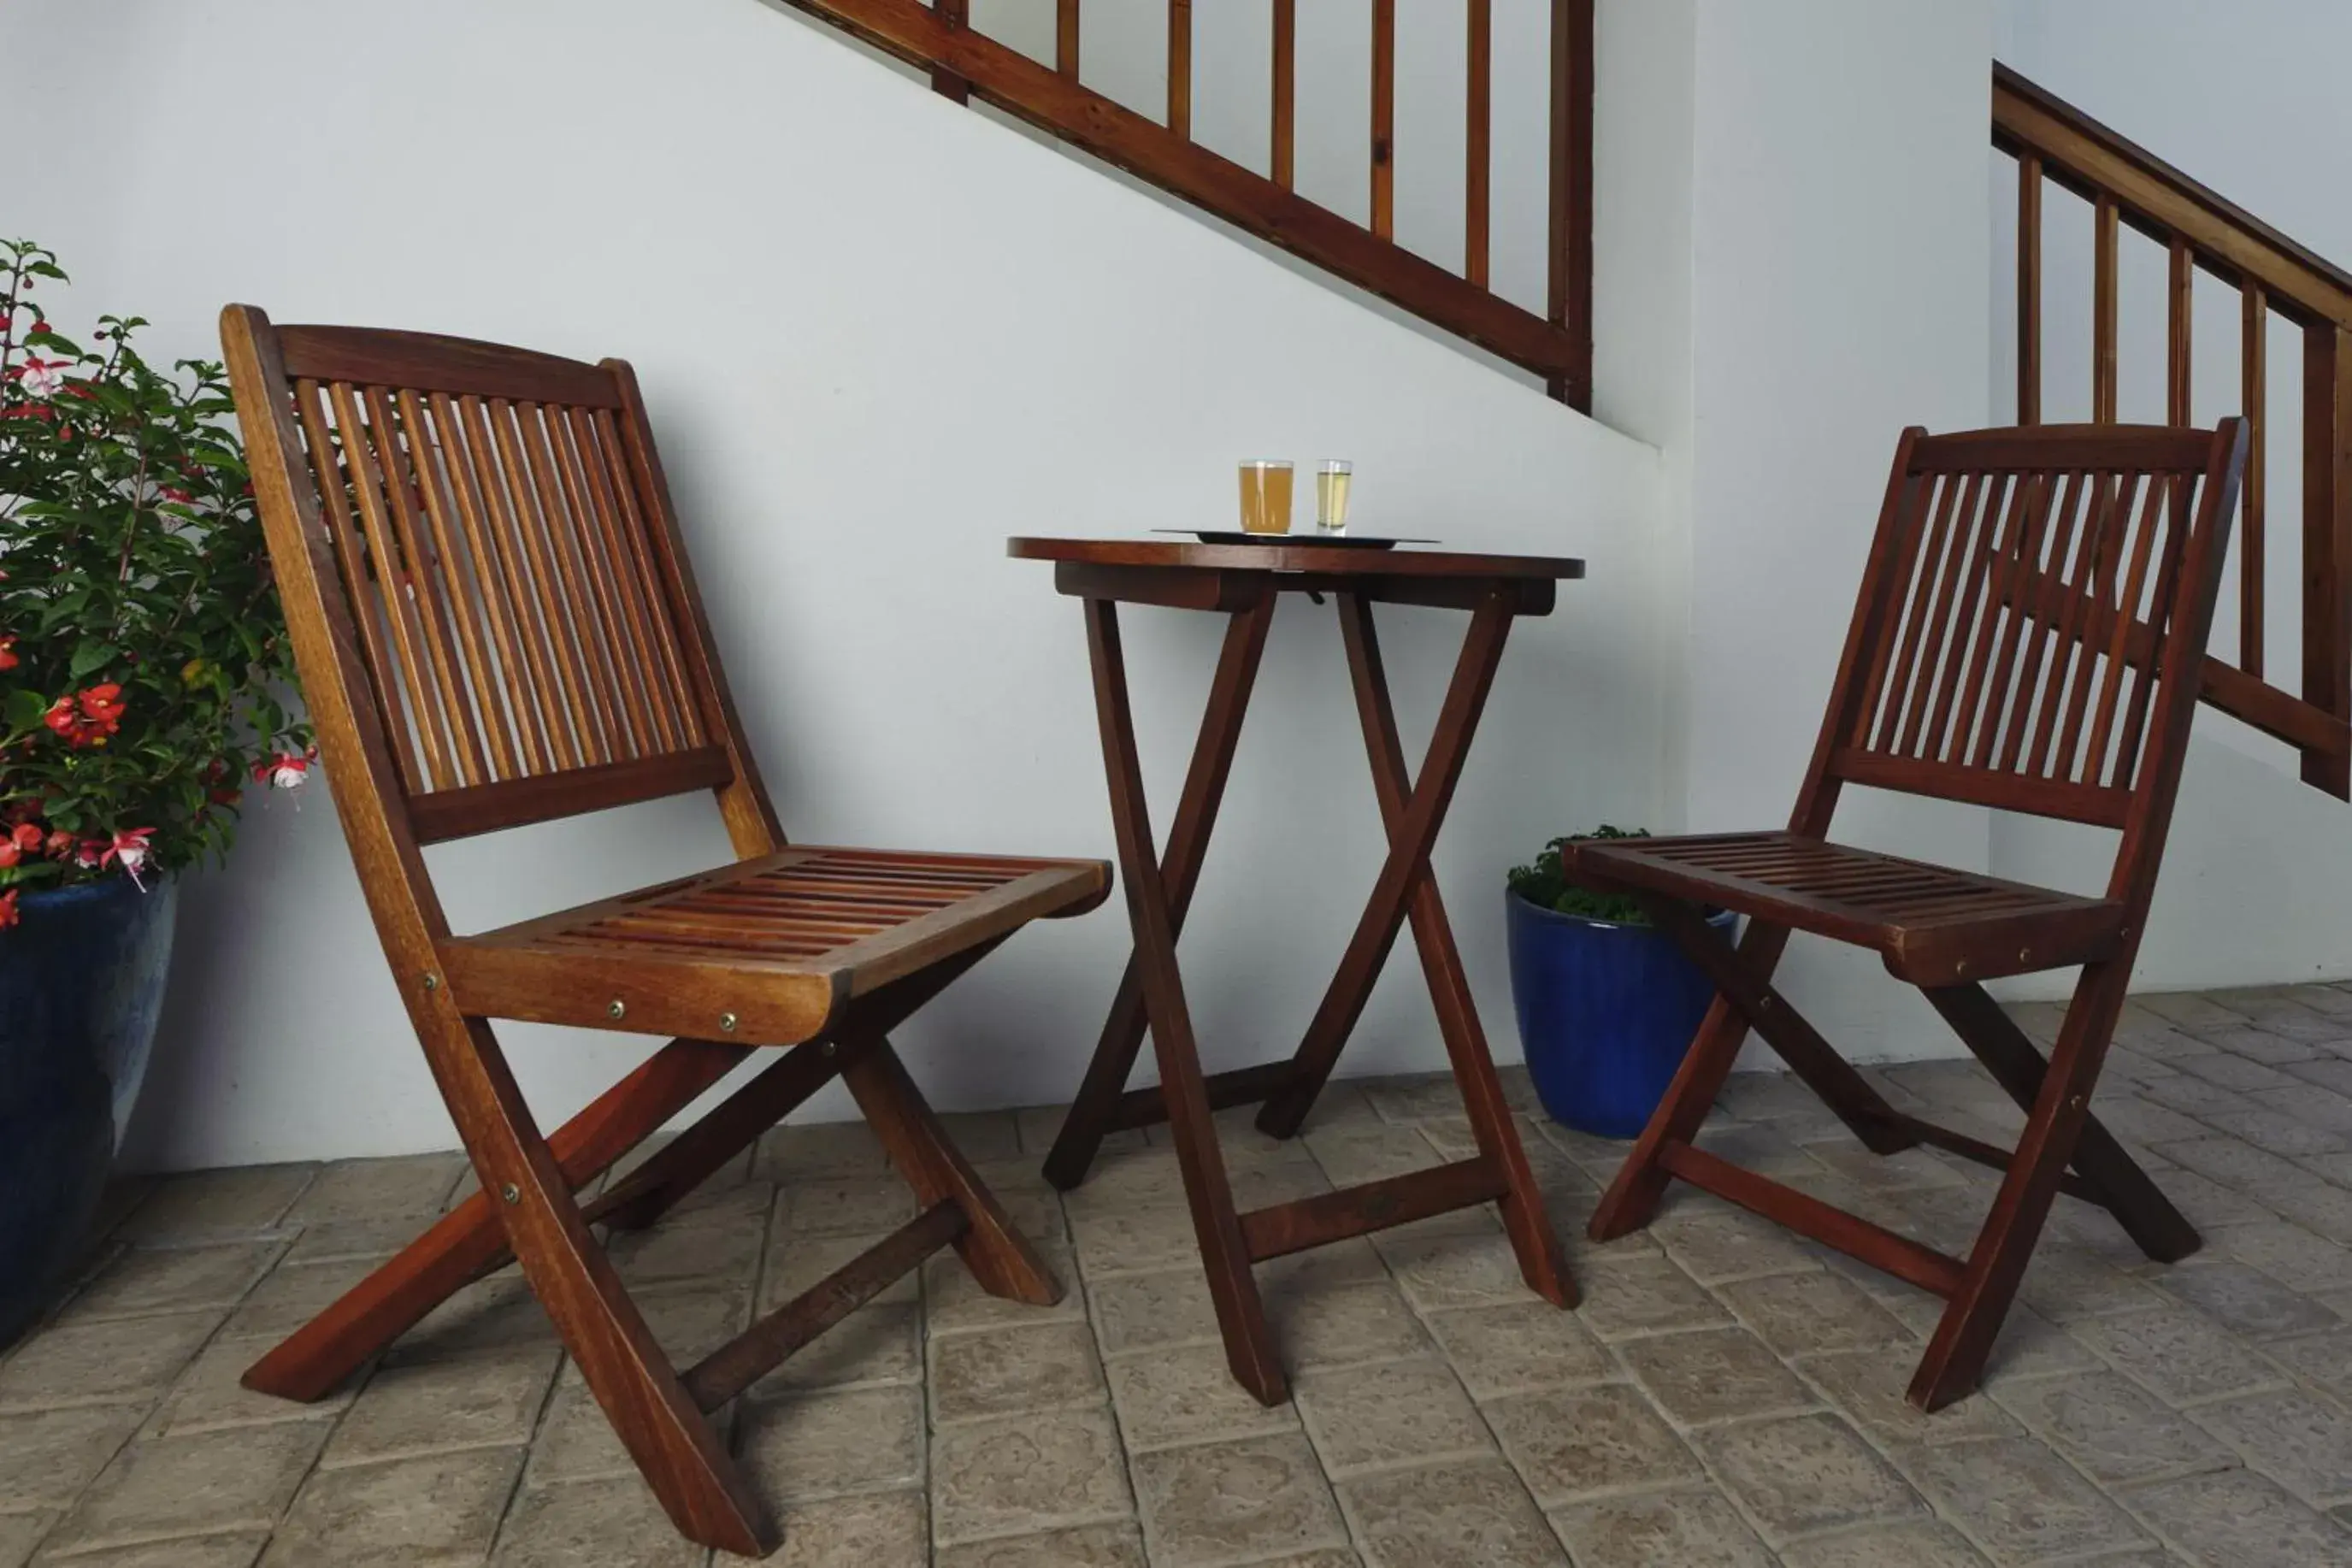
{"x":1964,"y":1338}
{"x":1543,"y":1264}
{"x":2106,"y":1168}
{"x":996,"y":1252}
{"x":471,"y":1240}
{"x":670,"y":1439}
{"x":1632,"y":1200}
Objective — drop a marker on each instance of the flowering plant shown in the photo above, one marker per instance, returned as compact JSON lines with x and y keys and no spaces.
{"x":142,"y":653}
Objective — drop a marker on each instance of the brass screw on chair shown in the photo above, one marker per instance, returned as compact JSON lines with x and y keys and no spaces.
{"x":433,"y":983}
{"x":617,"y":1009}
{"x":511,"y":1193}
{"x":726,"y":1023}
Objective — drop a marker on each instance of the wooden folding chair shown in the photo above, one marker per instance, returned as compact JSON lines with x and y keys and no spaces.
{"x":2030,"y":635}
{"x":495,"y":625}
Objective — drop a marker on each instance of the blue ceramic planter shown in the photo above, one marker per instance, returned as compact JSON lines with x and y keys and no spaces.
{"x":81,"y":981}
{"x":1605,"y":1012}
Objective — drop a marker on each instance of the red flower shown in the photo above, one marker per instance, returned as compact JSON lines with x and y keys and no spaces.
{"x":9,"y":853}
{"x":286,"y":770}
{"x":88,"y":716}
{"x":8,"y":660}
{"x":8,"y":912}
{"x":129,"y":851}
{"x":27,"y":837}
{"x":172,"y":493}
{"x":57,"y":845}
{"x":90,"y":852}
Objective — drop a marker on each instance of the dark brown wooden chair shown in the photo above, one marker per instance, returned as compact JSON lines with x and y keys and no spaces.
{"x":495,"y":625}
{"x":2030,"y":635}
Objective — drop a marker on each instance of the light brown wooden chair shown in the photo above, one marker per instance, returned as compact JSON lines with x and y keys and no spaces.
{"x":495,"y":625}
{"x":2030,"y":635}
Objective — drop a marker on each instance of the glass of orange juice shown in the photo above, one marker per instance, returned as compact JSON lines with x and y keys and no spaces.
{"x":1265,"y":496}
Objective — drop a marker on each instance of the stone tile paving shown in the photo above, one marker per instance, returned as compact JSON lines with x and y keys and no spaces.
{"x":1728,"y":1396}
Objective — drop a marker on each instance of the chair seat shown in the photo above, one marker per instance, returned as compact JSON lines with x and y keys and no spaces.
{"x":762,"y":951}
{"x":1930,"y":924}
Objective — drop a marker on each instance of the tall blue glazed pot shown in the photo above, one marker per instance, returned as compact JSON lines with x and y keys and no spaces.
{"x":1605,"y":1012}
{"x":81,"y":983}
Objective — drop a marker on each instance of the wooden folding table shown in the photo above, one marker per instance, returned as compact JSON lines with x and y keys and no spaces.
{"x":1244,"y":582}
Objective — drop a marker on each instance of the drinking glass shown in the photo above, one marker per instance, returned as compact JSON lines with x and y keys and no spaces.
{"x":1331,"y":478}
{"x":1265,"y":496}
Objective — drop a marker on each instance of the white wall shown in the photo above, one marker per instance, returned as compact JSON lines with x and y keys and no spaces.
{"x":878,"y":334}
{"x":2255,"y":883}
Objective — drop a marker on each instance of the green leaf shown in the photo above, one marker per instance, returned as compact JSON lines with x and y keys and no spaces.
{"x":23,"y":709}
{"x":91,"y":655}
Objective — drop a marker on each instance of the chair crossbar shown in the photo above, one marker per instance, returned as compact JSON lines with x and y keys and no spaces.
{"x":1148,"y":1107}
{"x":1801,"y":1212}
{"x":759,"y":1350}
{"x":1992,"y":1156}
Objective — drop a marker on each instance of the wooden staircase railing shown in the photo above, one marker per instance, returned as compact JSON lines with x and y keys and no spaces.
{"x":2127,"y":185}
{"x":1556,"y":346}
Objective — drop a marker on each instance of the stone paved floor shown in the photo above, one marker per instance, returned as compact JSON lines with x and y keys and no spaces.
{"x":1725,"y":1396}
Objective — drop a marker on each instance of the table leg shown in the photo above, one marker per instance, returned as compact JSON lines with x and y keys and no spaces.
{"x":1410,"y":834}
{"x":1241,"y":1314}
{"x":1091,"y":1115}
{"x":1541,"y":1261}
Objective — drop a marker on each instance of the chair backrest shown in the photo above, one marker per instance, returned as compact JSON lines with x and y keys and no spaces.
{"x":2031,"y":631}
{"x":492,"y":617}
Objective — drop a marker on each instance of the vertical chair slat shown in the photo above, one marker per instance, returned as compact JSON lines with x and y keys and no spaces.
{"x":1477,"y":176}
{"x":1938,"y":570}
{"x":2007,"y":605}
{"x":566,"y":726}
{"x":2029,"y":289}
{"x":392,"y":575}
{"x":393,"y":454}
{"x":2171,"y":516}
{"x":1384,"y":118}
{"x":1907,"y":587}
{"x":618,"y":464}
{"x":2097,"y":756}
{"x":1285,"y":88}
{"x":1949,"y":725}
{"x":1179,"y":67}
{"x":2038,"y":612}
{"x":369,"y":610}
{"x":2104,"y":222}
{"x":2052,"y":753}
{"x":2253,"y":379}
{"x":600,"y":528}
{"x":1969,"y":548}
{"x":460,"y":573}
{"x":604,"y":643}
{"x":559,"y":597}
{"x":2327,"y":540}
{"x":504,"y":597}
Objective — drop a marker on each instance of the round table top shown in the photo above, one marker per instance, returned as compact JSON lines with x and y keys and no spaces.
{"x":1297,"y":552}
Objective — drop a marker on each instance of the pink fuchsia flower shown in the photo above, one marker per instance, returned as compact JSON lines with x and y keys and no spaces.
{"x":172,"y":493}
{"x":57,"y":845}
{"x":42,"y":377}
{"x":129,"y":851}
{"x":286,"y":770}
{"x":91,"y":853}
{"x":9,"y":915}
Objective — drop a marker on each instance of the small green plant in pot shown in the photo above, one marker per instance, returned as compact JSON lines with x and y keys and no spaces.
{"x":1606,"y":1005}
{"x":141,"y":662}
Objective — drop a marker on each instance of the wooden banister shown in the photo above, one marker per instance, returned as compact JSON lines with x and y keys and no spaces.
{"x":2129,"y":187}
{"x":964,"y":64}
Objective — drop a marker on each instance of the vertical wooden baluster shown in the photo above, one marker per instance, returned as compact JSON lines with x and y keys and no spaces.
{"x":1384,"y":118}
{"x":1477,"y":176}
{"x":2179,"y":296}
{"x":2253,"y":347}
{"x":1065,"y":37}
{"x":1285,"y":81}
{"x":2103,"y":313}
{"x":2029,"y":289}
{"x":2327,"y":541}
{"x":1179,"y":67}
{"x":1569,"y":295}
{"x":956,"y":14}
